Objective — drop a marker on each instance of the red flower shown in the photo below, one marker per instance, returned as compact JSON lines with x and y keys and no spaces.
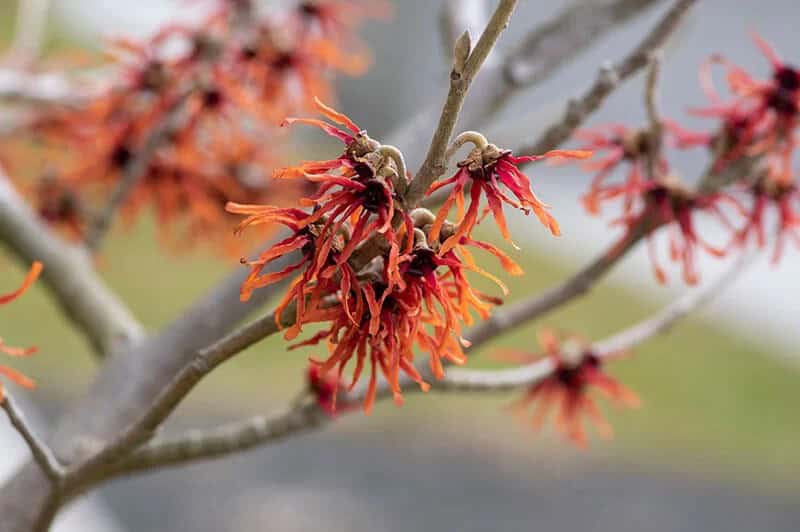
{"x":405,"y":302}
{"x":668,"y":203}
{"x":784,"y":197}
{"x":355,"y":199}
{"x":622,"y":145}
{"x":567,"y":391}
{"x":763,"y":116}
{"x":6,"y":371}
{"x":490,"y":170}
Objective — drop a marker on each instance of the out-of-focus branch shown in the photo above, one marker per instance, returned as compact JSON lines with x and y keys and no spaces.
{"x":195,"y":445}
{"x":29,"y":31}
{"x":655,"y":124}
{"x":460,"y":80}
{"x":152,"y":415}
{"x":571,"y":31}
{"x":69,"y":275}
{"x":670,"y":315}
{"x":610,"y":76}
{"x":41,"y":88}
{"x":42,"y":454}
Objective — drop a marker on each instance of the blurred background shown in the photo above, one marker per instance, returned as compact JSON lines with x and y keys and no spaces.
{"x":715,"y":446}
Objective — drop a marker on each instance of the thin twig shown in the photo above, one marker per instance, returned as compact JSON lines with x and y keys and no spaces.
{"x":206,"y":360}
{"x":655,"y":132}
{"x":578,"y":110}
{"x":41,"y":88}
{"x":42,"y":454}
{"x":460,"y":80}
{"x":195,"y":445}
{"x":458,"y":16}
{"x":573,"y":30}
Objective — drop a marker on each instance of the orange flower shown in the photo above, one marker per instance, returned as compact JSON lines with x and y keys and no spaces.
{"x":215,"y":88}
{"x":567,"y":391}
{"x":490,"y":170}
{"x":386,"y":316}
{"x":355,"y":199}
{"x":6,"y":371}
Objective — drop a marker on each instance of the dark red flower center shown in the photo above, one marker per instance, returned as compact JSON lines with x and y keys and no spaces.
{"x":121,"y":156}
{"x":212,"y":98}
{"x":423,"y":263}
{"x":783,"y":101}
{"x":374,"y":196}
{"x":153,"y":76}
{"x":787,"y":78}
{"x":574,"y":377}
{"x":284,"y":61}
{"x":309,"y":9}
{"x":364,"y":171}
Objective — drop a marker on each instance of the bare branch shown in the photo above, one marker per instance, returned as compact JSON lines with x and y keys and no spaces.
{"x":434,"y":165}
{"x":196,"y":445}
{"x":69,"y":275}
{"x":578,"y":110}
{"x":656,"y":127}
{"x":570,"y":32}
{"x":41,"y":88}
{"x":206,"y":360}
{"x":503,"y":320}
{"x":42,"y":454}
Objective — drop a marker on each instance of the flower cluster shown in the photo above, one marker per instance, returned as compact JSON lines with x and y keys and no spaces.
{"x":12,"y":374}
{"x":188,"y":113}
{"x":754,"y":143}
{"x":576,"y":372}
{"x":493,"y":173}
{"x":381,"y":277}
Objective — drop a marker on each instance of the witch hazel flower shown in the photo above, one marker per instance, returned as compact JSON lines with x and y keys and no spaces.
{"x":492,"y":173}
{"x":669,"y":204}
{"x":618,"y":146}
{"x":568,"y":392}
{"x":762,"y":116}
